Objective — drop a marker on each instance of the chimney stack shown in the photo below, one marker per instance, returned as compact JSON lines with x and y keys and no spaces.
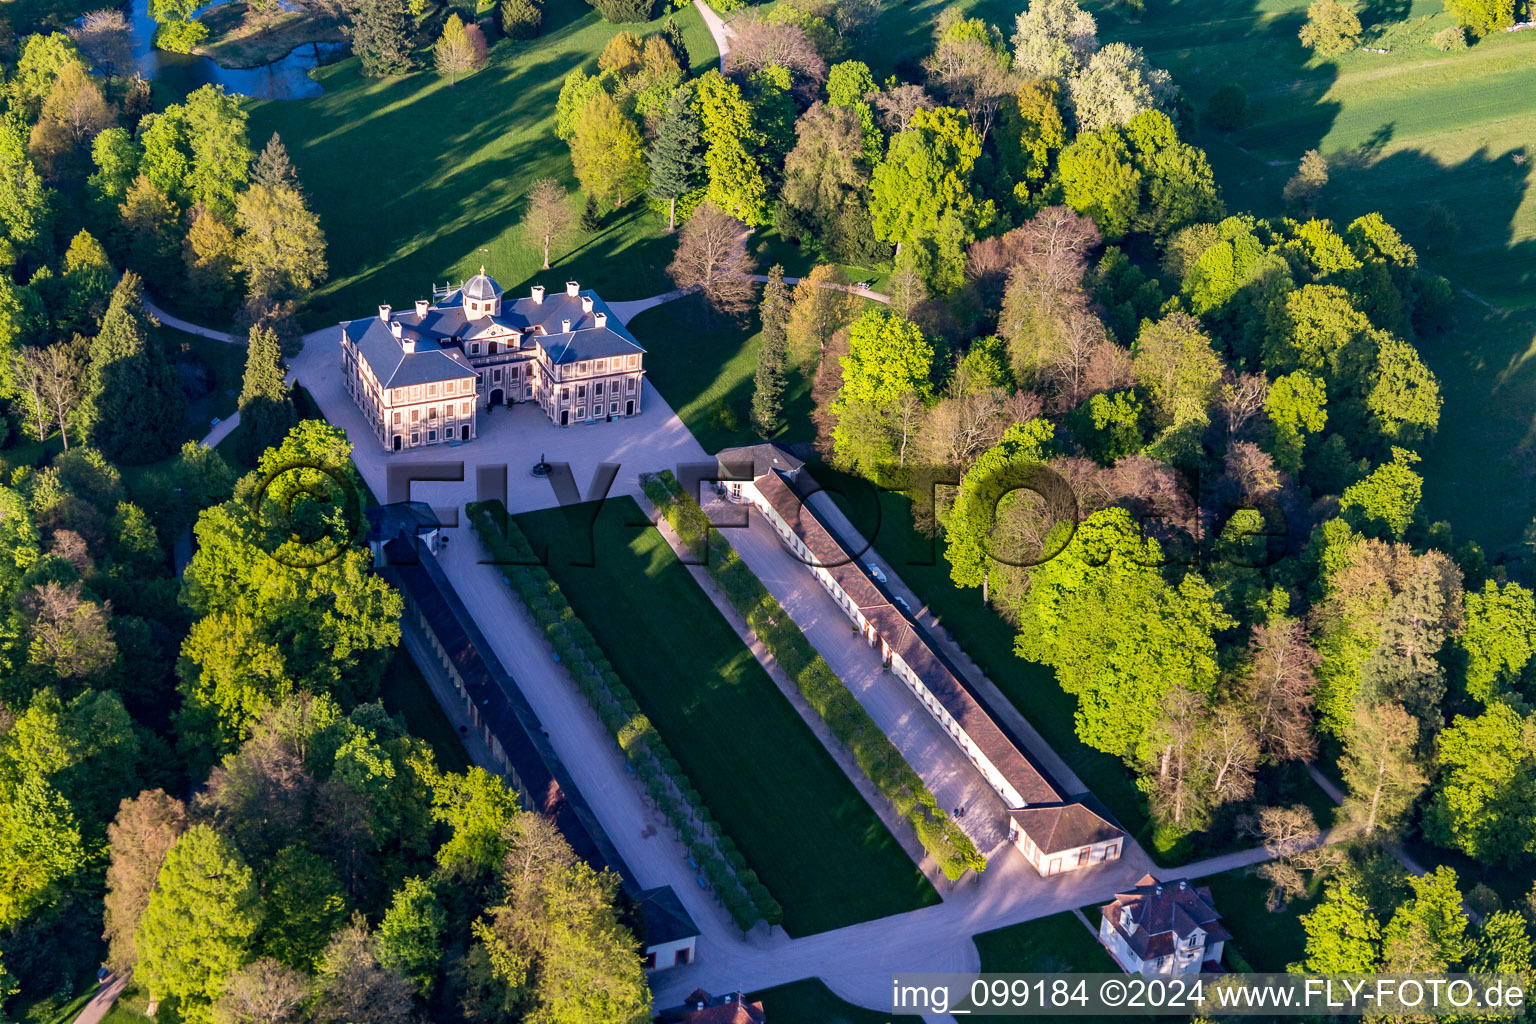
{"x":408,"y":346}
{"x":565,"y":326}
{"x":395,"y":328}
{"x":384,"y":312}
{"x":422,"y":305}
{"x":572,"y":289}
{"x":538,"y":295}
{"x":586,"y":303}
{"x":602,"y":319}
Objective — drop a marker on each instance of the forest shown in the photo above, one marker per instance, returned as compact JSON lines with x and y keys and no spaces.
{"x":1173,"y":444}
{"x":197,"y":778}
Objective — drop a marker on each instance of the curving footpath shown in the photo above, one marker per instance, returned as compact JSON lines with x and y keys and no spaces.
{"x":717,"y":28}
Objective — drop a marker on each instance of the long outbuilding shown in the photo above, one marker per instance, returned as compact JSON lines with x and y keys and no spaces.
{"x":1055,"y":832}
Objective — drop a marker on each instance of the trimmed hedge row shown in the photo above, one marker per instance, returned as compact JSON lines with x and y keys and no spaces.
{"x":716,"y":856}
{"x":876,"y":755}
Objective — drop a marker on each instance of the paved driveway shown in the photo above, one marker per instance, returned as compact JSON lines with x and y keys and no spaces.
{"x":926,"y":746}
{"x":514,"y":437}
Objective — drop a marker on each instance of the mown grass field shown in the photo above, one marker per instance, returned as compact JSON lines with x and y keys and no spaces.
{"x":704,"y":369}
{"x":803,"y":828}
{"x":811,"y":1002}
{"x":417,"y":181}
{"x":1266,"y":940}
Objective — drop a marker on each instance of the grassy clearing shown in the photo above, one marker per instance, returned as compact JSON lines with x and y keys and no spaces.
{"x":1268,"y":941}
{"x":808,"y":1001}
{"x":804,"y":829}
{"x":418,"y":181}
{"x":236,"y":43}
{"x":405,"y":692}
{"x":1044,"y":945}
{"x":705,"y":370}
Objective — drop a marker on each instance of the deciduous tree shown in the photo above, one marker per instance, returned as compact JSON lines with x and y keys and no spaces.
{"x":197,"y":929}
{"x":1484,"y":802}
{"x":280,"y":248}
{"x":1332,"y":28}
{"x":712,"y":258}
{"x":459,"y":50}
{"x":608,"y":152}
{"x":547,"y":219}
{"x":1381,"y":768}
{"x":736,"y":180}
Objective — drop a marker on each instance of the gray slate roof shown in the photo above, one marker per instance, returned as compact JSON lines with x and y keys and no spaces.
{"x":439,"y":358}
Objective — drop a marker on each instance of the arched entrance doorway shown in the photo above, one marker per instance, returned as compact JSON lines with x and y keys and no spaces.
{"x":497,"y":396}
{"x":629,"y":408}
{"x":397,"y":442}
{"x":565,"y":417}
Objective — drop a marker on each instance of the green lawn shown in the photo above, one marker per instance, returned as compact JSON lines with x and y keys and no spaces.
{"x":802,"y":826}
{"x":811,"y":1002}
{"x":405,"y":692}
{"x":704,"y":369}
{"x":1268,"y":941}
{"x":417,"y":181}
{"x":1046,"y":945}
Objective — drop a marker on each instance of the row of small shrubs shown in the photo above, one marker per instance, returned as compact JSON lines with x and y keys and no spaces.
{"x":876,"y":755}
{"x":715,"y":854}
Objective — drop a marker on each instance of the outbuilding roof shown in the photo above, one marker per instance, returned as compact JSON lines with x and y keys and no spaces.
{"x":412,"y":569}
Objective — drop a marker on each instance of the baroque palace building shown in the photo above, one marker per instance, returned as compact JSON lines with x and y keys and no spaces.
{"x":422,"y":377}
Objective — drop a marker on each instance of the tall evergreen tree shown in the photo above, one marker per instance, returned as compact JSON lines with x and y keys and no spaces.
{"x":673,"y":33}
{"x":273,"y":168}
{"x":267,"y":412}
{"x":589,"y":221}
{"x":380,"y":33}
{"x":677,"y":156}
{"x":134,"y":407}
{"x":768,"y":381}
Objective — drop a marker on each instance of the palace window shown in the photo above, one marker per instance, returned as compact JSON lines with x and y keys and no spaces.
{"x":634,"y":361}
{"x":581,"y":412}
{"x":629,"y":385}
{"x":397,"y":415}
{"x":474,"y":348}
{"x":613,"y":407}
{"x":597,"y":389}
{"x":581,"y":391}
{"x":565,"y":394}
{"x":431,"y":390}
{"x":431,"y":435}
{"x":582,"y":368}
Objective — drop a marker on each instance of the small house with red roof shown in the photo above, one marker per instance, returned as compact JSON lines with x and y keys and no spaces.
{"x":702,"y":1008}
{"x":1163,"y":928}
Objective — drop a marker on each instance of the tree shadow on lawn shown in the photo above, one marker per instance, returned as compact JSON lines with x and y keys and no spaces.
{"x":433,"y":174}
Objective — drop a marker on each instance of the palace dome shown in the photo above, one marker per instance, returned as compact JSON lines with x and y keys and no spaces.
{"x":481,"y":287}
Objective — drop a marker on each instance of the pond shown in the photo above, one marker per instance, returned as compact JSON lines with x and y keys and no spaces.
{"x":285,"y":79}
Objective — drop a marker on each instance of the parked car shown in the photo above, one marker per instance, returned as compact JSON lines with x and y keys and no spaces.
{"x":903,"y":602}
{"x":874,"y":570}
